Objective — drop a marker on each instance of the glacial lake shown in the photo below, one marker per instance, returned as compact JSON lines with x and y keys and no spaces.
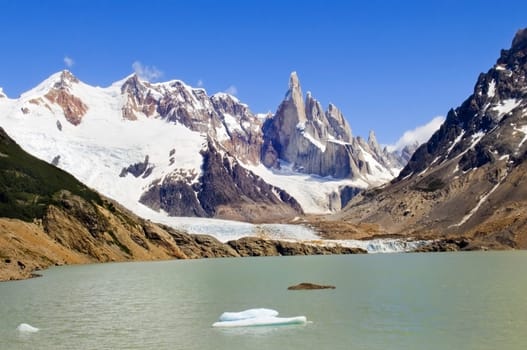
{"x":474,"y":300}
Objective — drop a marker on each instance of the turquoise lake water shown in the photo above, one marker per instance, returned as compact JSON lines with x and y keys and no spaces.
{"x":474,"y":300}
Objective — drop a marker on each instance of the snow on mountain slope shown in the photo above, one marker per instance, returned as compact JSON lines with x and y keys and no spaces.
{"x":141,"y":142}
{"x":164,"y":144}
{"x":96,"y":150}
{"x":312,"y":191}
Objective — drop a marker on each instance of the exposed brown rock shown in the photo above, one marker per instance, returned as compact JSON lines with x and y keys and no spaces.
{"x":74,"y":109}
{"x":39,"y":102}
{"x":201,"y":246}
{"x":139,"y":99}
{"x":29,"y":244}
{"x":80,"y":232}
{"x":469,"y":181}
{"x":245,"y":138}
{"x":329,"y":228}
{"x":253,"y":246}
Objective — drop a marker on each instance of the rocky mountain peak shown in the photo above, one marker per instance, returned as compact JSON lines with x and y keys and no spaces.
{"x":294,"y":83}
{"x":59,"y":90}
{"x":469,"y":179}
{"x":334,"y":111}
{"x":372,"y":138}
{"x":372,"y":142}
{"x":319,"y":142}
{"x":340,"y":127}
{"x":295,"y":97}
{"x":520,"y":40}
{"x":132,"y":84}
{"x":2,"y":94}
{"x":488,"y":123}
{"x":135,"y":92}
{"x":514,"y":58}
{"x":226,"y":103}
{"x":66,"y":79}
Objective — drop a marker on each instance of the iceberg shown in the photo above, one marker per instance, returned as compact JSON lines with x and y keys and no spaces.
{"x":262,"y":321}
{"x":27,"y":328}
{"x":251,"y":313}
{"x":256,"y":317}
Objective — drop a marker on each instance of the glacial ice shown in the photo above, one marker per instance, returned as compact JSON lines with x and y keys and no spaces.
{"x":256,"y":317}
{"x":262,"y":321}
{"x":27,"y":328}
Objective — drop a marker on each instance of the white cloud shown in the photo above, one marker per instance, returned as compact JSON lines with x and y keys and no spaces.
{"x":231,"y":90}
{"x":148,"y":73}
{"x":420,"y":134}
{"x":68,"y":61}
{"x":200,"y":83}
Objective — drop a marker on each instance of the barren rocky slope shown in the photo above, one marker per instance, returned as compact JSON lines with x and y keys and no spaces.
{"x":470,"y":179}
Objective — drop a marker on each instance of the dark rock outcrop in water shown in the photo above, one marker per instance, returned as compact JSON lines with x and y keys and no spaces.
{"x":309,"y":286}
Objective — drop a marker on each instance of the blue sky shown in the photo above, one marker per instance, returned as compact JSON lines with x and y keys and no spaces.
{"x":388,"y":65}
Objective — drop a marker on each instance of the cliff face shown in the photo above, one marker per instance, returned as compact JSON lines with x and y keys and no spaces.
{"x":320,"y":142}
{"x":221,"y":116}
{"x":224,"y":190}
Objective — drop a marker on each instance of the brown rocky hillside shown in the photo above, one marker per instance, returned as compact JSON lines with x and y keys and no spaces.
{"x":470,"y":179}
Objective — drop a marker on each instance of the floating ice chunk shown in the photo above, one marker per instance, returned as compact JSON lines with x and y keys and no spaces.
{"x":262,"y":321}
{"x":27,"y":328}
{"x":256,"y":317}
{"x":250,"y":313}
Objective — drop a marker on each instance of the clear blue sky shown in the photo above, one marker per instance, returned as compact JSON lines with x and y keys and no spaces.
{"x":388,"y":65}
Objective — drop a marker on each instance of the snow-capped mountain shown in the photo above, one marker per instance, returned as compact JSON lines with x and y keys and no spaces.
{"x":470,"y":177}
{"x":167,"y":149}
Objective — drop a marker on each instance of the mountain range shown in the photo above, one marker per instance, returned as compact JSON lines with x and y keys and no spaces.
{"x":167,"y":149}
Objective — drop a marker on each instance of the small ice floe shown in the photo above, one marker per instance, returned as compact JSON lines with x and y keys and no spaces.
{"x":256,"y":317}
{"x":26,"y":328}
{"x":251,"y":313}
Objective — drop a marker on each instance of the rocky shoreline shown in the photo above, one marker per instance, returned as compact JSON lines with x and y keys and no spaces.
{"x":190,"y":246}
{"x":28,"y":262}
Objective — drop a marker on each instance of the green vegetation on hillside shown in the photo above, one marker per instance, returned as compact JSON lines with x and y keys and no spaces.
{"x":29,"y":185}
